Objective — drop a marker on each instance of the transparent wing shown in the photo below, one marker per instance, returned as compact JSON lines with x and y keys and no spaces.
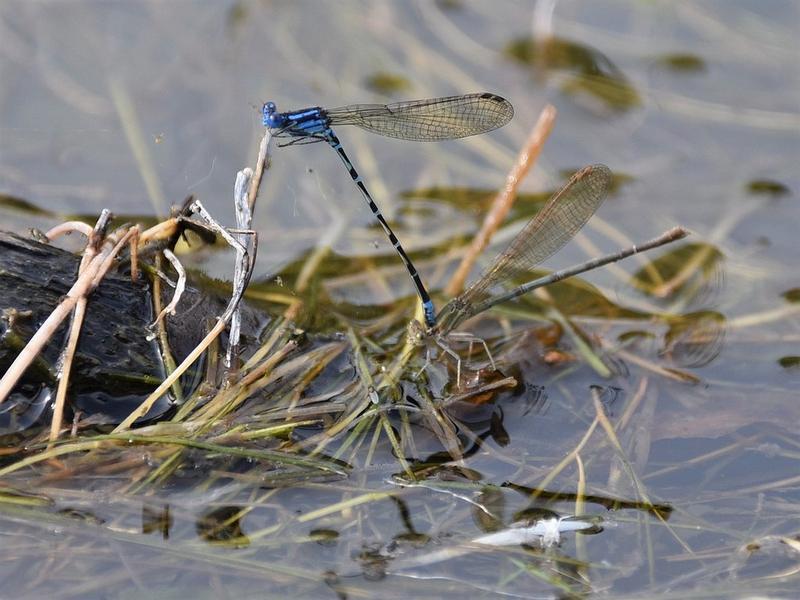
{"x":428,"y":120}
{"x":561,"y":218}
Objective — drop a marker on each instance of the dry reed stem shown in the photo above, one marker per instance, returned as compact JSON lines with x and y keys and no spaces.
{"x":72,"y":343}
{"x":134,"y":250}
{"x":84,"y":285}
{"x":580,"y":509}
{"x":148,"y":402}
{"x":67,"y":228}
{"x":131,"y":236}
{"x":505,"y":198}
{"x":244,"y":220}
{"x":262,"y":164}
{"x":219,"y":326}
{"x":66,"y":368}
{"x":159,"y":231}
{"x":229,"y":399}
{"x":92,"y":243}
{"x":161,"y":333}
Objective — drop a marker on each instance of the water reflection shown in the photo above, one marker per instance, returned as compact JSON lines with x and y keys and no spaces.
{"x":694,"y":339}
{"x":691,"y":272}
{"x":792,"y":295}
{"x":24,"y":408}
{"x":540,"y":496}
{"x":223,"y":525}
{"x":533,"y":536}
{"x":387,"y":84}
{"x":411,"y":534}
{"x":22,"y":206}
{"x":324,"y":537}
{"x":496,"y":429}
{"x":472,"y":423}
{"x":765,"y":557}
{"x":767,"y":187}
{"x":156,"y":520}
{"x":82,"y":515}
{"x":681,"y":62}
{"x":477,"y":200}
{"x":591,"y":72}
{"x":609,"y":396}
{"x":488,"y":513}
{"x":790,"y":363}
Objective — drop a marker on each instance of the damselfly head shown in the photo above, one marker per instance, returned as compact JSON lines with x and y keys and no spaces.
{"x":416,"y":333}
{"x":270,"y":115}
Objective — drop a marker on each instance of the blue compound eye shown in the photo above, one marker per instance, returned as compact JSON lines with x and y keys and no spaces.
{"x":270,"y":117}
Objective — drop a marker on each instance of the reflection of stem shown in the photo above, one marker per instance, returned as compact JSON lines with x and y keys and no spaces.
{"x":320,"y":253}
{"x":638,"y":486}
{"x":668,"y":373}
{"x":765,"y":317}
{"x":542,"y":25}
{"x":580,"y":509}
{"x":132,"y":128}
{"x":685,"y":273}
{"x":714,"y":112}
{"x":545,"y":483}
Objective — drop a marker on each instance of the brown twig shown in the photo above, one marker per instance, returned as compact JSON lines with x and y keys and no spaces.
{"x":222,"y":321}
{"x":92,"y":246}
{"x":505,"y":199}
{"x":262,"y":164}
{"x":66,"y":368}
{"x":85,"y":284}
{"x":67,"y":228}
{"x":148,"y":402}
{"x":161,"y":333}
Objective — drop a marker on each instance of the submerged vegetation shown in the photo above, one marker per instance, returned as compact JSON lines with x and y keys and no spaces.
{"x":302,"y":410}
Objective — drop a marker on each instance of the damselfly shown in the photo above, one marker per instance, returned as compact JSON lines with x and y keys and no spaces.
{"x":419,"y":120}
{"x":559,"y":220}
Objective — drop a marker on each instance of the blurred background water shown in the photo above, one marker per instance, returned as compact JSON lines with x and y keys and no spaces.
{"x":132,"y":106}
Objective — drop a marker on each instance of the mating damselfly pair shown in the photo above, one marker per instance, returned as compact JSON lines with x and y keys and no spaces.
{"x":450,"y":118}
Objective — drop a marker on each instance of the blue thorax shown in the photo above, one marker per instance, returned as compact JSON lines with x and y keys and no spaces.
{"x":307,"y":121}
